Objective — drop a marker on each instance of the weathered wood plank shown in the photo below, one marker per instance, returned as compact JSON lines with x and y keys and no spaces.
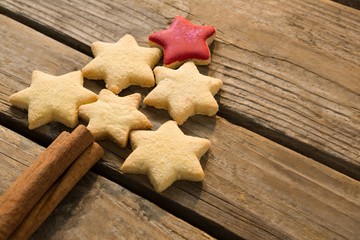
{"x":290,"y":68}
{"x":96,"y":208}
{"x":253,"y":188}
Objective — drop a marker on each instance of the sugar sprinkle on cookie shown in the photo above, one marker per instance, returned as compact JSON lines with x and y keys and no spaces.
{"x":184,"y":92}
{"x":184,"y":41}
{"x":166,"y":155}
{"x":113,"y":117}
{"x":122,"y":64}
{"x":53,"y":98}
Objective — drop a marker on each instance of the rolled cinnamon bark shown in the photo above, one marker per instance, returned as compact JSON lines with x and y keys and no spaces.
{"x":57,"y":192}
{"x":29,"y":187}
{"x":34,"y":165}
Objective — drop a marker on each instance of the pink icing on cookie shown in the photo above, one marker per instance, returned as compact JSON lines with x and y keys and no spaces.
{"x":184,"y":41}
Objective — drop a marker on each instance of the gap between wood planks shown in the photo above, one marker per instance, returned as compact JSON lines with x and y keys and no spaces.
{"x":348,"y":168}
{"x":351,"y":3}
{"x":212,"y":228}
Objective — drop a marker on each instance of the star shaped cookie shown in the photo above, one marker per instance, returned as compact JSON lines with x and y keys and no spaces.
{"x":113,"y":117}
{"x":184,"y":92}
{"x":122,"y":64}
{"x":184,"y":41}
{"x":166,"y":155}
{"x":53,"y":98}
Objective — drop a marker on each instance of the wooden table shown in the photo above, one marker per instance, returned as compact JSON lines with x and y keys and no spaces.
{"x":285,"y":155}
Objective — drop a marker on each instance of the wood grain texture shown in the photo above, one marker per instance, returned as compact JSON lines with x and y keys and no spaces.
{"x":290,"y":68}
{"x":253,"y":187}
{"x":96,"y":208}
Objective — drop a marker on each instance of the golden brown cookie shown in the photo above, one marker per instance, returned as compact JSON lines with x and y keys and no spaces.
{"x":122,"y":64}
{"x":184,"y":92}
{"x":166,"y":155}
{"x":113,"y":117}
{"x":53,"y":98}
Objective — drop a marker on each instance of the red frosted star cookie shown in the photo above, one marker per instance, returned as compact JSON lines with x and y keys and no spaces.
{"x":184,"y":41}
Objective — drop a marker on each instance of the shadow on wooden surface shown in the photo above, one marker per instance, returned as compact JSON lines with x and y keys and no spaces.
{"x":351,"y":3}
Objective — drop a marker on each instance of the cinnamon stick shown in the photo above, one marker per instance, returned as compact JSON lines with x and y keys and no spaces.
{"x":57,"y":192}
{"x":51,"y":148}
{"x":27,"y":190}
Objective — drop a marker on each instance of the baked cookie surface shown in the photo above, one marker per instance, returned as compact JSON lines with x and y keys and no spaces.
{"x":113,"y":117}
{"x":184,"y":92}
{"x":122,"y":64}
{"x":53,"y":98}
{"x":184,"y":41}
{"x":166,"y":155}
